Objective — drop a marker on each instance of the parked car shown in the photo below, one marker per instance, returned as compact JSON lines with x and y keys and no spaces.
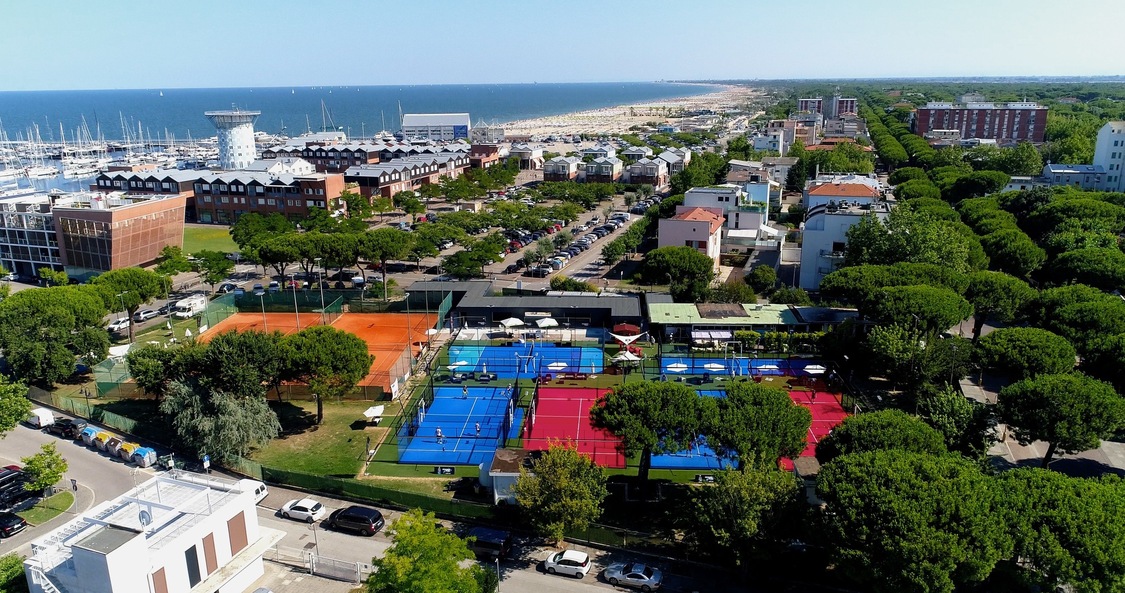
{"x":636,"y":575}
{"x":166,"y":308}
{"x":226,"y":287}
{"x":446,"y":244}
{"x":305,"y":509}
{"x":511,"y":269}
{"x":259,"y":290}
{"x":490,"y":544}
{"x":118,"y":325}
{"x":145,"y":315}
{"x":570,"y":562}
{"x":67,"y":428}
{"x":11,"y":524}
{"x":363,"y":520}
{"x":275,"y":286}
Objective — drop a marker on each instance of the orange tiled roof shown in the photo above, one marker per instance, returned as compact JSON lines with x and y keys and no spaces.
{"x":701,"y":215}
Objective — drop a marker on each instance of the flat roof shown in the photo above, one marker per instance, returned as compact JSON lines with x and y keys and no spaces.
{"x":106,"y":539}
{"x":729,"y":314}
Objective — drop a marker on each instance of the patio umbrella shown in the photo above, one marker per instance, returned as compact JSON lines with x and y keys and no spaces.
{"x":714,"y":366}
{"x":373,"y":412}
{"x":432,"y":331}
{"x":512,"y":322}
{"x":546,"y":322}
{"x":627,"y":356}
{"x":768,"y":367}
{"x":677,"y":367}
{"x":459,"y":363}
{"x":815,"y":369}
{"x":557,"y":366}
{"x":626,"y":328}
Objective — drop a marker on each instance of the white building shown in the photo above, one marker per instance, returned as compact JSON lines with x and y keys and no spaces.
{"x":530,"y":157}
{"x":1087,"y":177}
{"x":825,"y":238}
{"x":167,"y":535}
{"x":282,"y":166}
{"x":236,"y":137}
{"x":1109,"y":153}
{"x":698,"y":228}
{"x":483,"y":133}
{"x":436,"y":126}
{"x":745,"y":215}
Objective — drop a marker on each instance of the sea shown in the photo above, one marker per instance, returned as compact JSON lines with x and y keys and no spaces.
{"x":177,"y":114}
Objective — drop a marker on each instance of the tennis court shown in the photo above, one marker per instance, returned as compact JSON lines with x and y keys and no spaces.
{"x":462,"y":426}
{"x":286,"y":323}
{"x":563,"y":415}
{"x":827,"y":413}
{"x":527,"y":359}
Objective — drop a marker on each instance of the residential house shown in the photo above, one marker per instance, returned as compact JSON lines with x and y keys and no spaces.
{"x":561,"y":168}
{"x":824,"y":237}
{"x":599,"y":152}
{"x":653,"y":172}
{"x":483,"y":156}
{"x":603,"y":170}
{"x":223,"y":197}
{"x":1087,"y":177}
{"x":1009,"y":122}
{"x":698,"y":228}
{"x":169,"y":534}
{"x":636,"y":153}
{"x":677,"y":159}
{"x":857,"y":189}
{"x":530,"y":157}
{"x":282,"y":166}
{"x":778,"y":167}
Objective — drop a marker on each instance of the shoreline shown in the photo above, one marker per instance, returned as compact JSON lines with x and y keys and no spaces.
{"x":619,"y":118}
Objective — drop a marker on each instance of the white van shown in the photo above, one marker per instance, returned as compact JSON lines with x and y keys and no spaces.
{"x":190,"y":307}
{"x":41,"y":418}
{"x":258,"y":488}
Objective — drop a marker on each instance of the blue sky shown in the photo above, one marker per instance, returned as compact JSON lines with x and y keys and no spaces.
{"x":83,"y":44}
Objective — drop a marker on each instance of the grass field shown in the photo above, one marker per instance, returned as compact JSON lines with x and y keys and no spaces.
{"x":214,"y":238}
{"x":48,"y":508}
{"x":334,"y":448}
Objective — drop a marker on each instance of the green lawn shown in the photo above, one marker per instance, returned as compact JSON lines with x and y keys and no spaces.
{"x":334,"y":448}
{"x":213,"y":238}
{"x":48,"y":508}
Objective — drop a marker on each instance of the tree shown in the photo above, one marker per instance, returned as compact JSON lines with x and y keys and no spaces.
{"x":732,"y":292}
{"x":217,"y":423}
{"x":130,"y":288}
{"x":413,"y":207}
{"x":12,"y":577}
{"x":14,"y":405}
{"x":1024,"y":352}
{"x":280,"y":251}
{"x":43,"y":331}
{"x":53,"y":277}
{"x":756,"y":425}
{"x":901,"y":521}
{"x":381,"y":205}
{"x":790,"y":295}
{"x":214,"y":265}
{"x":1103,"y":268}
{"x":244,"y":364}
{"x":880,"y":431}
{"x":562,"y":491}
{"x":689,"y":270}
{"x":649,"y":417}
{"x":925,"y":308}
{"x":731,"y":517}
{"x":904,"y":174}
{"x":425,"y":557}
{"x":908,"y":236}
{"x":1071,"y":412}
{"x":172,"y":261}
{"x":383,"y":245}
{"x":151,"y":368}
{"x":1024,"y":159}
{"x":996,"y":297}
{"x":966,"y":425}
{"x":44,"y":469}
{"x":762,"y":278}
{"x":252,"y":228}
{"x":613,"y":252}
{"x":1066,"y":529}
{"x":917,"y":189}
{"x":357,"y":204}
{"x":1010,"y":250}
{"x":331,"y":361}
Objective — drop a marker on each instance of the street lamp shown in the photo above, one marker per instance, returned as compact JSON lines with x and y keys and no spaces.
{"x":121,"y":299}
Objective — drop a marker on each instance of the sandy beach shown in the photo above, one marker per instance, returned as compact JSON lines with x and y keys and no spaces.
{"x":618,"y":119}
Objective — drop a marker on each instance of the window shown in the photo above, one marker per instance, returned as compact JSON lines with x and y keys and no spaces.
{"x":192,"y":559}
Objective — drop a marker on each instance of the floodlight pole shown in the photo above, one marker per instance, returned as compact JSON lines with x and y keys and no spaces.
{"x":295,"y":311}
{"x":409,"y":332}
{"x":262,"y":299}
{"x":320,"y":282}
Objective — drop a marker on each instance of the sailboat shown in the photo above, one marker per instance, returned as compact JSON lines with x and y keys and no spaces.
{"x":161,"y":93}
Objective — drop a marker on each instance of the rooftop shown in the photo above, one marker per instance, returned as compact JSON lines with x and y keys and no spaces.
{"x":701,"y":215}
{"x":435,"y":119}
{"x":843,"y":190}
{"x":732,"y":314}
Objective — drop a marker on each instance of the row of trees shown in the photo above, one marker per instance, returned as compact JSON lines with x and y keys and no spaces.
{"x":214,"y":393}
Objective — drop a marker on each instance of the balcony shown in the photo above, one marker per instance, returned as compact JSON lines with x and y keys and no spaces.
{"x":835,"y":256}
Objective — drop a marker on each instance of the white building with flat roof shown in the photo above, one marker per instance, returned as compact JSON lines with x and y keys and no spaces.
{"x":1109,"y":154}
{"x":824,"y":238}
{"x":170,"y":534}
{"x":436,"y":126}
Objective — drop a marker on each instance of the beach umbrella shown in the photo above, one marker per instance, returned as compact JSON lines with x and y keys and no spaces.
{"x":627,"y":356}
{"x":626,"y":329}
{"x":187,"y":333}
{"x":512,"y":322}
{"x":373,"y":412}
{"x":714,"y":366}
{"x":459,"y":363}
{"x":557,"y":366}
{"x":815,"y":369}
{"x":677,"y":367}
{"x":768,"y":367}
{"x":546,"y":322}
{"x":432,"y":331}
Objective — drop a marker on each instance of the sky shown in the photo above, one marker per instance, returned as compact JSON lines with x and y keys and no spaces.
{"x":117,"y":44}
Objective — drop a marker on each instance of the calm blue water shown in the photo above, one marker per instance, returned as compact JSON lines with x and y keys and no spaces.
{"x":356,"y":109}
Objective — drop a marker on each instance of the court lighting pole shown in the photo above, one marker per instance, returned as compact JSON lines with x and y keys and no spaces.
{"x":262,"y":299}
{"x":409,"y":333}
{"x":295,"y":311}
{"x":320,"y":282}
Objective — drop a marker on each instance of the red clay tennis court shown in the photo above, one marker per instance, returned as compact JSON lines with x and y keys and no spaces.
{"x":386,"y":335}
{"x":561,"y":414}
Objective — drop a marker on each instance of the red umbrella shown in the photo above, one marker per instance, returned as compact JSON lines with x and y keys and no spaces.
{"x":626,"y":329}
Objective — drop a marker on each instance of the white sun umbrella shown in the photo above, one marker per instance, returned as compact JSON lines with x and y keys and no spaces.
{"x":815,"y":369}
{"x":677,"y":367}
{"x":714,"y":366}
{"x":768,"y":367}
{"x":433,"y":331}
{"x":626,"y":356}
{"x":512,"y":322}
{"x":557,"y":366}
{"x":546,"y":322}
{"x":459,"y":363}
{"x":373,"y":412}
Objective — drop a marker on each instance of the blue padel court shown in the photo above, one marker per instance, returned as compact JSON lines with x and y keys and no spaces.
{"x":739,"y":367}
{"x":526,"y":360}
{"x":462,"y":426}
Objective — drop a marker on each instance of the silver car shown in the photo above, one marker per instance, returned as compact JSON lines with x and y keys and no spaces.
{"x":636,"y":575}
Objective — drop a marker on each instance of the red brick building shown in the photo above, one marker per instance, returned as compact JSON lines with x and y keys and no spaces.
{"x":1003,"y":122}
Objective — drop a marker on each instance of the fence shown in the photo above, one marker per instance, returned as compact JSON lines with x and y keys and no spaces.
{"x":111,"y":379}
{"x":341,"y":570}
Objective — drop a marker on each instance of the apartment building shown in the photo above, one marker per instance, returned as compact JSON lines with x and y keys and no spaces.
{"x":824,"y":238}
{"x":1010,"y":122}
{"x":1109,"y":154}
{"x":698,"y":228}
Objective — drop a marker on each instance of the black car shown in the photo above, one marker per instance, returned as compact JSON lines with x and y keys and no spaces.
{"x":490,"y":544}
{"x":166,"y":308}
{"x":511,"y":269}
{"x":67,"y":428}
{"x":11,"y":524}
{"x":226,"y":287}
{"x":363,"y":520}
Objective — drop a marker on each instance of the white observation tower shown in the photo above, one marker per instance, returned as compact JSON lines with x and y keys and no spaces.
{"x":236,"y":137}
